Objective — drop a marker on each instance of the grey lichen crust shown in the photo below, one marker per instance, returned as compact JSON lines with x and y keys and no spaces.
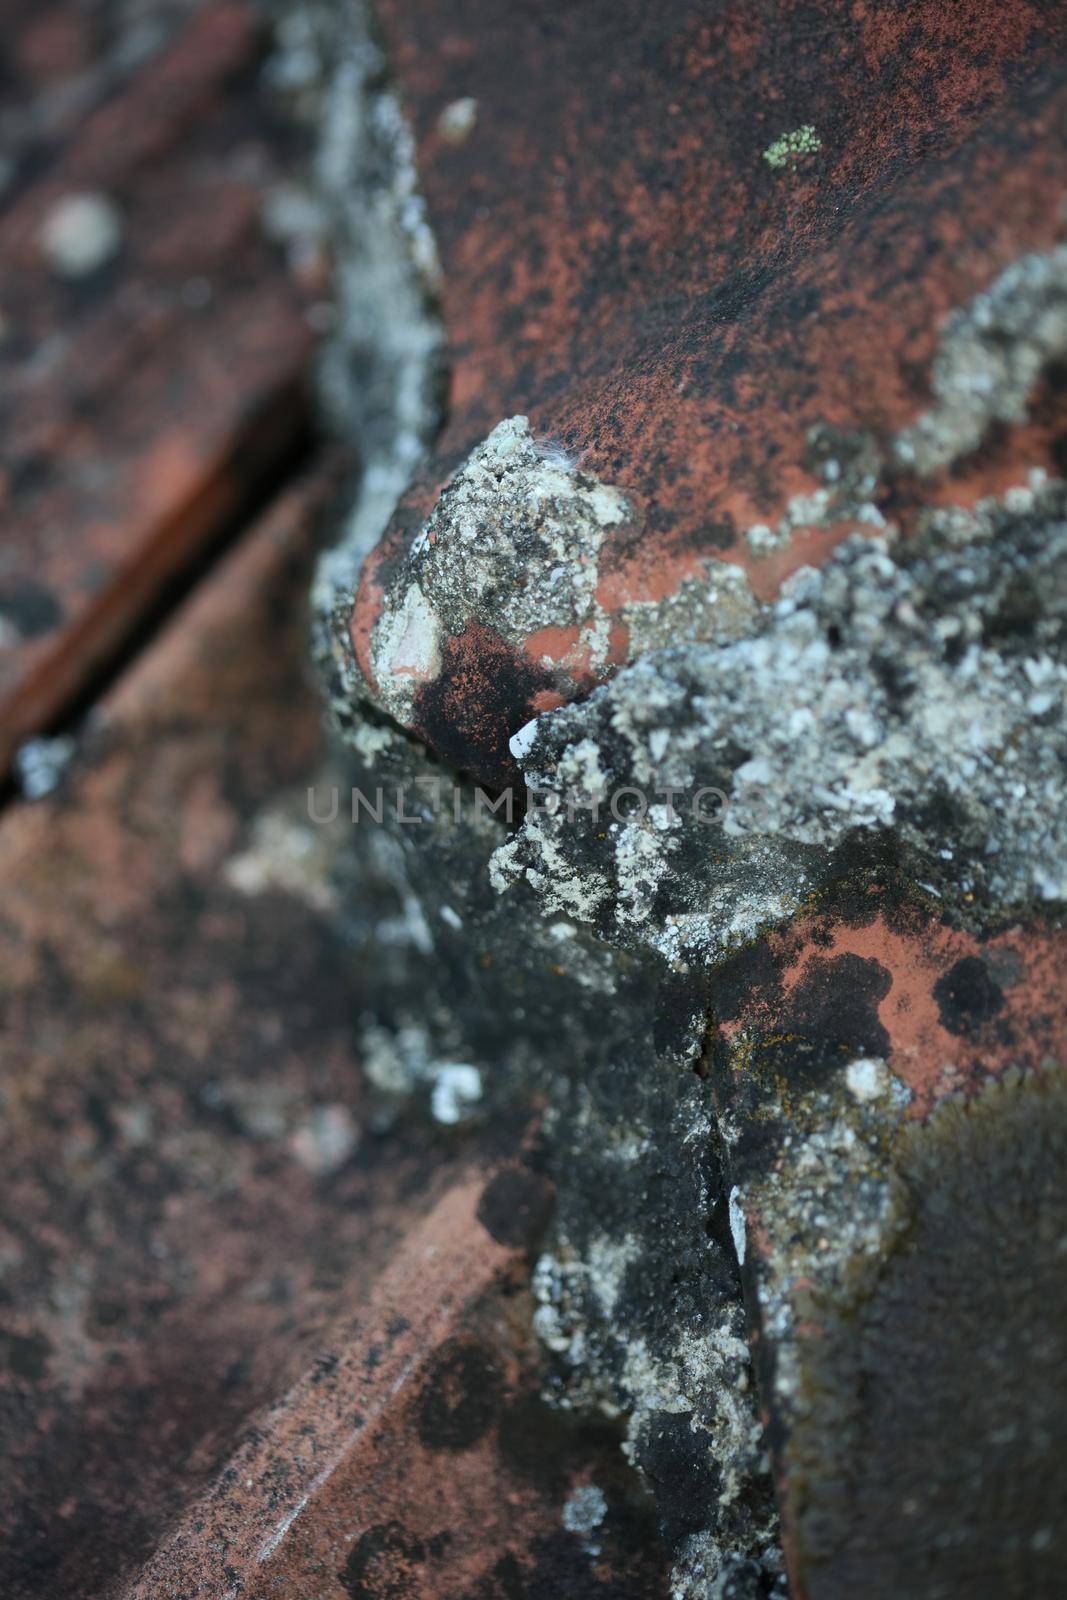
{"x":992,"y":354}
{"x":910,"y":694}
{"x":639,"y":1301}
{"x":512,"y":544}
{"x":515,"y":544}
{"x":829,"y":1195}
{"x":380,"y":369}
{"x":917,"y":687}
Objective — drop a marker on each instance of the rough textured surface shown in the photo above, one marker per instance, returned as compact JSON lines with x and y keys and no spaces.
{"x":830,"y":1042}
{"x":414,"y":1458}
{"x":253,"y":1338}
{"x":916,"y":687}
{"x":755,"y":431}
{"x":170,"y":1062}
{"x":760,"y":283}
{"x":973,"y":1277}
{"x":690,"y":324}
{"x":239,"y":1319}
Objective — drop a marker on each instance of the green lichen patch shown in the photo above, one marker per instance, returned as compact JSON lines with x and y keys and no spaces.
{"x":790,"y":149}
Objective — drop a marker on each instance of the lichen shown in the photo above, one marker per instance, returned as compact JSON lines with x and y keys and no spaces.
{"x":896,"y":683}
{"x":789,"y":149}
{"x":511,"y":545}
{"x":911,"y":693}
{"x":379,"y":369}
{"x":992,"y":353}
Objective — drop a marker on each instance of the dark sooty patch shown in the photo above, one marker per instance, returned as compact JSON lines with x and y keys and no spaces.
{"x":383,"y":1565}
{"x":462,"y":1394}
{"x":483,"y":694}
{"x":830,"y":1017}
{"x":515,"y":1206}
{"x":967,"y":997}
{"x":678,"y":1462}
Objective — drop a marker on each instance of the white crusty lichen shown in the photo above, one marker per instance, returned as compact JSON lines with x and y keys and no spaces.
{"x":584,"y":1510}
{"x":823,"y":508}
{"x":81,"y":234}
{"x":378,"y":370}
{"x":992,"y":354}
{"x":877,"y":691}
{"x":512,"y":545}
{"x":516,"y":544}
{"x":699,"y":1375}
{"x":457,"y":1088}
{"x":717,"y":603}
